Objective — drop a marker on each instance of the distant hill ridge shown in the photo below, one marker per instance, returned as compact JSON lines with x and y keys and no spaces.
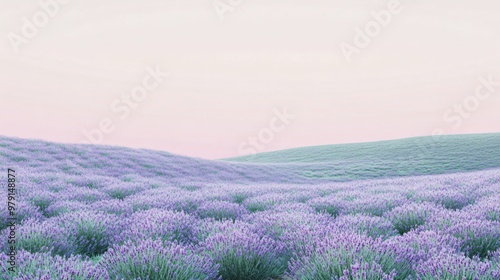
{"x":332,"y":163}
{"x":480,"y":146}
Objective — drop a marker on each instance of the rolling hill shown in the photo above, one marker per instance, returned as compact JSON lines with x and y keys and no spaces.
{"x":461,"y":153}
{"x":410,"y":156}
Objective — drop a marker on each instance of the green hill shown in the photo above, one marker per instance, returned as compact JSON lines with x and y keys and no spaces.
{"x":411,"y":156}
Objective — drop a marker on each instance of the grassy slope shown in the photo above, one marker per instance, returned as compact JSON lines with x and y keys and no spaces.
{"x":411,"y":156}
{"x":303,"y":165}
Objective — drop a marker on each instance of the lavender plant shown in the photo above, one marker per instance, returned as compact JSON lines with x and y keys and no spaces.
{"x":220,"y":210}
{"x":410,"y":216}
{"x":372,"y":226}
{"x":42,"y":236}
{"x":44,"y":266}
{"x":456,"y":267}
{"x":342,"y":255}
{"x":158,"y":224}
{"x":90,"y":232}
{"x":157,"y":260}
{"x":244,"y":255}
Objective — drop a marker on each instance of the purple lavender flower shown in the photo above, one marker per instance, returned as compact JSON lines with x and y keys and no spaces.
{"x":449,"y":198}
{"x":244,"y":255}
{"x":84,"y":195}
{"x":487,"y":208}
{"x":343,"y":255}
{"x":376,"y":205}
{"x":113,"y":206}
{"x":122,"y":190}
{"x":220,"y":210}
{"x":294,"y":207}
{"x":91,"y":232}
{"x":24,"y":211}
{"x":42,"y":236}
{"x":292,"y":229}
{"x":332,"y":205}
{"x":266,"y":201}
{"x":372,"y":226}
{"x":158,"y":224}
{"x":454,"y":266}
{"x":479,"y":237}
{"x":411,"y":216}
{"x":418,"y":246}
{"x":44,"y":266}
{"x":65,"y":206}
{"x":157,"y":260}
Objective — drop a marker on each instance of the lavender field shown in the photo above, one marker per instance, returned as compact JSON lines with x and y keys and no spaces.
{"x":99,"y":212}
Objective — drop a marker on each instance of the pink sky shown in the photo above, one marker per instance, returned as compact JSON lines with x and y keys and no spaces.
{"x":227,"y":78}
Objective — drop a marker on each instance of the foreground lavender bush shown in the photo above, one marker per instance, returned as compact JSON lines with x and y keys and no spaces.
{"x":348,"y":256}
{"x":120,"y":191}
{"x":47,"y":236}
{"x":65,"y":206}
{"x":220,"y":210}
{"x":47,"y":267}
{"x":449,"y":198}
{"x":157,"y":260}
{"x":456,"y":267}
{"x":478,"y":237}
{"x":410,"y":216}
{"x":24,"y":211}
{"x":418,"y":246}
{"x":266,"y":201}
{"x":90,"y":232}
{"x":244,"y":255}
{"x":158,"y":224}
{"x":113,"y":206}
{"x":370,"y":225}
{"x":331,"y":204}
{"x":42,"y":199}
{"x":294,"y":207}
{"x":488,"y":208}
{"x":377,"y":204}
{"x":276,"y":224}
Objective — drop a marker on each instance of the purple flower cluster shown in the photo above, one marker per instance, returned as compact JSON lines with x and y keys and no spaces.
{"x":372,"y":226}
{"x":42,"y":236}
{"x":411,"y":216}
{"x":449,"y":198}
{"x":347,"y":256}
{"x":221,"y":210}
{"x":487,"y":208}
{"x":90,"y":232}
{"x":455,"y":266}
{"x":332,"y":205}
{"x":24,"y":211}
{"x":419,"y":246}
{"x":157,"y":260}
{"x":158,"y":224}
{"x":479,"y":237}
{"x":43,"y":266}
{"x":243,"y":254}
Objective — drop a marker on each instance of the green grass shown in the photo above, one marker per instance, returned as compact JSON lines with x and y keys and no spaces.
{"x":404,"y":157}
